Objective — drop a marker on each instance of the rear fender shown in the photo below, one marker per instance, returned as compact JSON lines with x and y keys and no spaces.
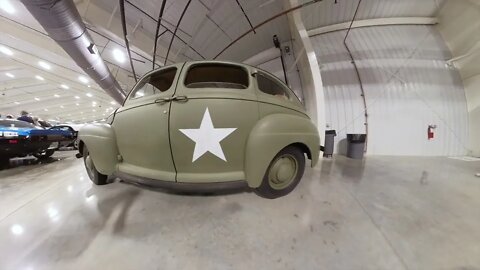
{"x":102,"y":146}
{"x":273,"y":133}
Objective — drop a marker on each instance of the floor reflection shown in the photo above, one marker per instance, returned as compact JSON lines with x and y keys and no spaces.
{"x":31,"y":160}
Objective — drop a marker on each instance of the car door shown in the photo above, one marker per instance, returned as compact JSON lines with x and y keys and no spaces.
{"x":211,"y":118}
{"x":141,"y":126}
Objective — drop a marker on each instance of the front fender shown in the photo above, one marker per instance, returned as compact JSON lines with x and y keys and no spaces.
{"x":273,"y":133}
{"x":102,"y":145}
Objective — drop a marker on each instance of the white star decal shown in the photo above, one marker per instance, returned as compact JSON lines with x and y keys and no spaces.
{"x":207,"y":138}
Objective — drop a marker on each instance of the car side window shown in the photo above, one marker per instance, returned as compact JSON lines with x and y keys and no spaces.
{"x":217,"y":76}
{"x":271,"y":87}
{"x":157,"y":82}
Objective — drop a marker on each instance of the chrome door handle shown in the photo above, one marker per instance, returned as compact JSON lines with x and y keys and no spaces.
{"x":163,"y":100}
{"x":174,"y":98}
{"x":180,"y":98}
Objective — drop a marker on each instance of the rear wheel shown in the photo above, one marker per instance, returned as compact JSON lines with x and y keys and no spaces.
{"x":283,"y":173}
{"x":4,"y":162}
{"x":44,"y":154}
{"x":96,"y":177}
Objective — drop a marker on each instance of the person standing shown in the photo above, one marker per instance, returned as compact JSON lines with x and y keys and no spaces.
{"x":25,"y":117}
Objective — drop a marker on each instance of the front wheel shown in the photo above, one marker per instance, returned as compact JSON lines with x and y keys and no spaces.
{"x":283,"y":173}
{"x":96,"y":177}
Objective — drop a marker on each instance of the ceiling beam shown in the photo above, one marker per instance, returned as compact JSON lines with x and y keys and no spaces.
{"x":373,"y":22}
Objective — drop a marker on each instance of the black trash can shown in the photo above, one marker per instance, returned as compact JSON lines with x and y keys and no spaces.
{"x":356,"y":145}
{"x":329,"y":143}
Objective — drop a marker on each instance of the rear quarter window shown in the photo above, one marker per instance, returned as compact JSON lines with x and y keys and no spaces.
{"x":216,"y":76}
{"x":269,"y":86}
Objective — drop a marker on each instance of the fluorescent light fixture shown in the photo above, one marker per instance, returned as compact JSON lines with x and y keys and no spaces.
{"x":6,"y":50}
{"x":77,"y":97}
{"x":118,"y":55}
{"x":83,"y":79}
{"x":89,"y":94}
{"x":64,"y":86}
{"x":39,"y":78}
{"x":6,"y":6}
{"x":44,"y":65}
{"x":10,"y":75}
{"x":56,"y":95}
{"x":37,"y":99}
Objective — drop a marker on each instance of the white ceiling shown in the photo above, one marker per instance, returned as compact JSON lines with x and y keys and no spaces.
{"x":207,"y":28}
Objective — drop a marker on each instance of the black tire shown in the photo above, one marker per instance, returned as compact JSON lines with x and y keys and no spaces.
{"x":96,"y":177}
{"x":279,"y":180}
{"x":44,"y":154}
{"x":4,"y":162}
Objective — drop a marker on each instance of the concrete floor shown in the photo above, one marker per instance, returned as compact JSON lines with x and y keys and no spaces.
{"x":384,"y":213}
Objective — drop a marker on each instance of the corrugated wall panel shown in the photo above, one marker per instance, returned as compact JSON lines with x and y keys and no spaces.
{"x":407,"y":87}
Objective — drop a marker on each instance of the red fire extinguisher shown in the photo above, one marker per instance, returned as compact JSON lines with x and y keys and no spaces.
{"x":431,"y":131}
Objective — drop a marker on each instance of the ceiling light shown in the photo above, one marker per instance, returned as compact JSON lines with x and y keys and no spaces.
{"x":78,"y":104}
{"x":89,"y":95}
{"x":82,"y":79}
{"x":37,"y":99}
{"x":6,"y":50}
{"x":10,"y":75}
{"x":64,"y":86}
{"x":16,"y":102}
{"x":44,"y":65}
{"x":118,"y":55}
{"x":7,"y":6}
{"x":77,"y":97}
{"x":39,"y":78}
{"x":56,"y":95}
{"x":16,"y":229}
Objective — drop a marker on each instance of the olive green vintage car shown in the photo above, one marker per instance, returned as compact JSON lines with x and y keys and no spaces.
{"x":204,"y":125}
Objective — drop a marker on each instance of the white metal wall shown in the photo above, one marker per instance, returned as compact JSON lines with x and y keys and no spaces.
{"x":407,"y":86}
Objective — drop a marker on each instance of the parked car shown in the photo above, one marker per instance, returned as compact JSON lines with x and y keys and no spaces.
{"x":202,"y":125}
{"x":19,"y":139}
{"x":73,"y":143}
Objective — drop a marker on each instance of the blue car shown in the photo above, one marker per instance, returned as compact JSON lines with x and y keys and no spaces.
{"x":19,"y":139}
